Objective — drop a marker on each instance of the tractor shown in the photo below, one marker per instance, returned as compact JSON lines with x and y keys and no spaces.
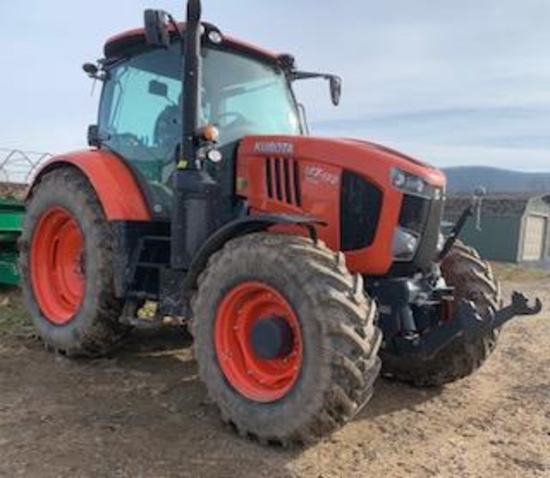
{"x":304,"y":267}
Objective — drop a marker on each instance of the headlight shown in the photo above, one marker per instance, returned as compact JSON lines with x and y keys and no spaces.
{"x":404,"y":244}
{"x":408,"y":183}
{"x":415,"y":185}
{"x":399,"y":178}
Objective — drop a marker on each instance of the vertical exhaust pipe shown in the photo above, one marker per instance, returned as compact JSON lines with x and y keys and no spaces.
{"x":194,"y":208}
{"x":191,"y":82}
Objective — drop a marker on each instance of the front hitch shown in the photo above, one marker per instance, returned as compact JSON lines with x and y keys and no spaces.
{"x":474,"y":326}
{"x":519,"y":306}
{"x":466,"y":324}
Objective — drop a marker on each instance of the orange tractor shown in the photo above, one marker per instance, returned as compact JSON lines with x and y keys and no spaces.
{"x":303,"y":266}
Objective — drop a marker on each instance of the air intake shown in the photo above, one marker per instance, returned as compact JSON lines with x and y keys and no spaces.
{"x":282,"y":177}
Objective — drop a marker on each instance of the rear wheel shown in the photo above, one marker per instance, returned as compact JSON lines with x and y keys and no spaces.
{"x":66,"y":265}
{"x":284,"y":338}
{"x":473,"y":280}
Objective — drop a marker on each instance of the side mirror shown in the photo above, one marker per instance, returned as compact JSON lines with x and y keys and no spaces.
{"x":96,"y":137}
{"x":335,"y":82}
{"x":156,"y":28}
{"x":335,"y":89}
{"x":90,"y":69}
{"x":93,"y":71}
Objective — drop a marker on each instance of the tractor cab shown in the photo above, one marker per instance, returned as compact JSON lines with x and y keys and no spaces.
{"x":244,"y":92}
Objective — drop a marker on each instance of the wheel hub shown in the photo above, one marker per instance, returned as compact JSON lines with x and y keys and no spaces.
{"x":271,"y":338}
{"x":57,"y":265}
{"x":258,"y":342}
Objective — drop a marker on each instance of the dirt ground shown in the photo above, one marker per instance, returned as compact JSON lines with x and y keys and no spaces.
{"x":143,"y":413}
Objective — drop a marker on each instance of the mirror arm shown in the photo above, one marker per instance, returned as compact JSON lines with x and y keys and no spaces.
{"x":334,"y":80}
{"x":306,"y":75}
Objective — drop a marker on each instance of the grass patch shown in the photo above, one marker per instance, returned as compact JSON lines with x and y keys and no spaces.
{"x":519,"y":273}
{"x":13,"y":315}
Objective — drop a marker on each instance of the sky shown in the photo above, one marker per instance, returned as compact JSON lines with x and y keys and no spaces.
{"x":454,"y":82}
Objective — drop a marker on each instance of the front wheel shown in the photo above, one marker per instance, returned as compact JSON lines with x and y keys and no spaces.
{"x":284,"y":338}
{"x":66,"y":264}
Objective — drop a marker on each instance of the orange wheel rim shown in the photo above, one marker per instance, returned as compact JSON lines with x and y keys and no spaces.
{"x":256,"y":378}
{"x":57,"y":263}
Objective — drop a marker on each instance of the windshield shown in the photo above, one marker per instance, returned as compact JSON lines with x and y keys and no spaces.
{"x":243,"y":96}
{"x":142,"y":100}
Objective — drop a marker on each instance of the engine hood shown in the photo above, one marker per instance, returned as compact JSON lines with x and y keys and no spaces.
{"x":363,"y":157}
{"x":384,"y":149}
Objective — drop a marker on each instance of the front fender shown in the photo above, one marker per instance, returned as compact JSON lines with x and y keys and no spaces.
{"x":241,"y":227}
{"x":113,"y":181}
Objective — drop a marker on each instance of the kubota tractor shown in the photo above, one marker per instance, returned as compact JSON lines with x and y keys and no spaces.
{"x":302,"y":265}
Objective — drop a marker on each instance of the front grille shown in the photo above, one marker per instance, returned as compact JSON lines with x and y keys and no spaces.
{"x":414,"y":213}
{"x":427,"y":249}
{"x":360,"y":206}
{"x":282,"y":177}
{"x":422,"y":216}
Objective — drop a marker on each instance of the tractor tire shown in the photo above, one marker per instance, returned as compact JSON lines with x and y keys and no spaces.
{"x":326,"y":372}
{"x":473,"y":280}
{"x":66,"y":263}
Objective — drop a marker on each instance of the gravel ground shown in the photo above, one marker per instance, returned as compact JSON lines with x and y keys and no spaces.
{"x":143,"y":413}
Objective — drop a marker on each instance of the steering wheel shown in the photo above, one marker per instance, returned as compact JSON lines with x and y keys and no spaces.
{"x":238,"y":119}
{"x":130,"y":146}
{"x":127,"y":142}
{"x":236,"y":129}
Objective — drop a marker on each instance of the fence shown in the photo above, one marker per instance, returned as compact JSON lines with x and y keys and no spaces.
{"x":18,"y":167}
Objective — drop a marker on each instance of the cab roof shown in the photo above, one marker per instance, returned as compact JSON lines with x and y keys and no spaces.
{"x":117,"y":45}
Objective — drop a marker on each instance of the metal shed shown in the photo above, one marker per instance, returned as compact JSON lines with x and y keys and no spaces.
{"x":514,"y":227}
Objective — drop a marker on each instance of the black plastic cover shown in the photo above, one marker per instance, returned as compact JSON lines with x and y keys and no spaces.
{"x":360,"y":206}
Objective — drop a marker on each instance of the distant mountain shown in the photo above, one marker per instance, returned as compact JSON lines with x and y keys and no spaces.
{"x":467,"y":178}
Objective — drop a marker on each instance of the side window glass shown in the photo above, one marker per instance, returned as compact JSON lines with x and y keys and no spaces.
{"x":140,"y":112}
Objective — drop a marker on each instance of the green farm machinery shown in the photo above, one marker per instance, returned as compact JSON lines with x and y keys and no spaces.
{"x":16,"y":170}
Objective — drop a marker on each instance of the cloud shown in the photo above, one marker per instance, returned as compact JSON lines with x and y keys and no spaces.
{"x":456,"y":82}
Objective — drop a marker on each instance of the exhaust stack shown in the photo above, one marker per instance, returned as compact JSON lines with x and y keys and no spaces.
{"x":195,"y":193}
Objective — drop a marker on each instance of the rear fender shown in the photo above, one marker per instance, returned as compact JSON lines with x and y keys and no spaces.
{"x":116,"y":186}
